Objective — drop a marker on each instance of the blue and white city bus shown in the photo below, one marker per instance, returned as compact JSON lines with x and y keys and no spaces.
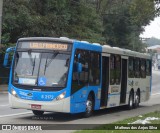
{"x":64,"y":75}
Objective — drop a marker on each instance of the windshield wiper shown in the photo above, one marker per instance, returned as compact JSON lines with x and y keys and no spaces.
{"x":30,"y":57}
{"x":47,"y":63}
{"x":33,"y":65}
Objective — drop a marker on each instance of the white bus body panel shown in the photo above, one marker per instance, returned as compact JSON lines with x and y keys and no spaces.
{"x":142,"y":83}
{"x":139,"y":83}
{"x":55,"y":106}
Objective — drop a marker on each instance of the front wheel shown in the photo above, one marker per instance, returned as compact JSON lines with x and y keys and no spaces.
{"x":89,"y":106}
{"x":37,"y":112}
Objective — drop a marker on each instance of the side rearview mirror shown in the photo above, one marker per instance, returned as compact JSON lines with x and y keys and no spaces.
{"x":5,"y":62}
{"x":6,"y":57}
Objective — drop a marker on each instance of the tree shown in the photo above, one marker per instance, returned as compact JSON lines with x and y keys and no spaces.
{"x":85,"y":23}
{"x":115,"y":22}
{"x":124,"y":20}
{"x":16,"y":20}
{"x":53,"y":18}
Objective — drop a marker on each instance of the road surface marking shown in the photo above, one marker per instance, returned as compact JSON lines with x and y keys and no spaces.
{"x":15,"y":114}
{"x":4,"y":105}
{"x":155,"y":94}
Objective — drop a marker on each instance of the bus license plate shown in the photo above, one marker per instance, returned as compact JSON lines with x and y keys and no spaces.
{"x":35,"y":106}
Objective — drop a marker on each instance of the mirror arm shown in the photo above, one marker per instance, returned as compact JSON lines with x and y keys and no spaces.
{"x":5,"y":62}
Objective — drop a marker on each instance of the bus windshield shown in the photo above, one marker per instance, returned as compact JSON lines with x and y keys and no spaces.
{"x":41,"y":69}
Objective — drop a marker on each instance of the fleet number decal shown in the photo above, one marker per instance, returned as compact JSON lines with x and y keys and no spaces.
{"x":47,"y":97}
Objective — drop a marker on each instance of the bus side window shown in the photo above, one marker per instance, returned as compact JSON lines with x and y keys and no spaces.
{"x":112,"y":71}
{"x":80,"y":79}
{"x":94,"y":69}
{"x":115,"y":69}
{"x":131,"y":67}
{"x":148,"y":67}
{"x":137,"y":67}
{"x":143,"y":68}
{"x":118,"y":69}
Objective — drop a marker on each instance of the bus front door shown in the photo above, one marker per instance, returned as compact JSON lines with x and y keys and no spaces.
{"x":105,"y":81}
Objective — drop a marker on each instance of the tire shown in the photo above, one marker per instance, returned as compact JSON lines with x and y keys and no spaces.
{"x":37,"y":112}
{"x":130,"y":101}
{"x":89,"y":106}
{"x":137,"y":100}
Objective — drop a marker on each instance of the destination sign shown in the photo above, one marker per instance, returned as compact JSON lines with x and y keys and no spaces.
{"x":41,"y":45}
{"x":45,"y":45}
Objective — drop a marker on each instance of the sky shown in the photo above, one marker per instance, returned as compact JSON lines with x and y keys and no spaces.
{"x":152,"y":30}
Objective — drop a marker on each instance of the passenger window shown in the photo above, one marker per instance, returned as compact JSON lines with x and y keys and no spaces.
{"x":80,"y":78}
{"x":143,"y":68}
{"x":94,"y":69}
{"x":131,"y":67}
{"x":112,"y":70}
{"x":148,"y":68}
{"x":118,"y":69}
{"x":90,"y":72}
{"x":137,"y":68}
{"x":115,"y":69}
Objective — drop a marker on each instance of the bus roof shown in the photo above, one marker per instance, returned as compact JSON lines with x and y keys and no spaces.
{"x":125,"y":52}
{"x":61,"y":39}
{"x":105,"y":48}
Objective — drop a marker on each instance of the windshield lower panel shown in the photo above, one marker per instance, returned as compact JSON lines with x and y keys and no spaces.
{"x":41,"y":69}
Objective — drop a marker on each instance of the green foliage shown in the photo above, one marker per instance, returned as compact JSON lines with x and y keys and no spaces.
{"x":141,"y":12}
{"x":123,"y":22}
{"x":50,"y":18}
{"x":118,"y":23}
{"x":85,"y":23}
{"x":153,"y":41}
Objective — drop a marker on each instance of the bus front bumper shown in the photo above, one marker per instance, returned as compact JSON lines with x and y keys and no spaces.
{"x":55,"y":106}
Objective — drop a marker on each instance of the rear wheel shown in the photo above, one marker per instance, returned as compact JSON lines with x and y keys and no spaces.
{"x":131,"y":101}
{"x":89,"y":106}
{"x":137,"y":100}
{"x":37,"y":112}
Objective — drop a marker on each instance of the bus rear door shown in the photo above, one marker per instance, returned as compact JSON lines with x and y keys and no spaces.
{"x":105,"y":80}
{"x":124,"y":70}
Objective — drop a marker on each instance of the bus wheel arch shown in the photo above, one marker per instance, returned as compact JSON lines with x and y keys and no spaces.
{"x":90,"y":103}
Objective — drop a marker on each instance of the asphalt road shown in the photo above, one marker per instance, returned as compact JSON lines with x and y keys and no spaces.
{"x":20,"y":116}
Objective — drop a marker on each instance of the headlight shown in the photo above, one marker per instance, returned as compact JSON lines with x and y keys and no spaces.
{"x":13,"y":92}
{"x":61,"y":96}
